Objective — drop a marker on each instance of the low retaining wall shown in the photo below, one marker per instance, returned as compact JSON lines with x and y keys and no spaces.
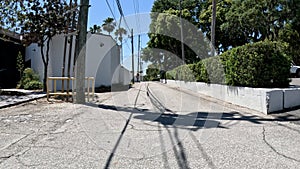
{"x":259,"y":99}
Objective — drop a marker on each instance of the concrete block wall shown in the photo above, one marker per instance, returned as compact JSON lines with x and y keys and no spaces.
{"x":291,"y":98}
{"x":259,"y":99}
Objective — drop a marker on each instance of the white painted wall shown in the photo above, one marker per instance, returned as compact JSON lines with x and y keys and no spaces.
{"x":102,"y":59}
{"x":259,"y":99}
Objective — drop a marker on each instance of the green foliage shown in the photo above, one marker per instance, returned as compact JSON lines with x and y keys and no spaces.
{"x":261,"y":64}
{"x":152,"y":74}
{"x":183,"y":72}
{"x":33,"y":85}
{"x":165,"y":34}
{"x":95,"y":29}
{"x":20,"y":63}
{"x":208,"y":70}
{"x":30,"y":80}
{"x":223,"y":40}
{"x":38,"y":21}
{"x":212,"y":70}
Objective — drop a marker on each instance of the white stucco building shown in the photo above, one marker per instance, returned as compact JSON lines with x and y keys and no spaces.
{"x":102,"y":59}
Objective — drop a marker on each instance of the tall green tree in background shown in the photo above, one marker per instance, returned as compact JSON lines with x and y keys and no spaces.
{"x":254,"y":21}
{"x":238,"y":22}
{"x":109,"y":25}
{"x":222,"y":39}
{"x":165,"y":33}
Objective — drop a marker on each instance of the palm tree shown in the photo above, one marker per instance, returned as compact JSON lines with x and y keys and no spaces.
{"x":119,"y":34}
{"x":109,"y":25}
{"x":95,"y":29}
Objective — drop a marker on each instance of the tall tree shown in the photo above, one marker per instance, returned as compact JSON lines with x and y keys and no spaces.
{"x":109,"y":25}
{"x":41,"y":21}
{"x":256,"y":20}
{"x":119,"y":35}
{"x":213,"y":26}
{"x":165,"y":33}
{"x":222,"y":40}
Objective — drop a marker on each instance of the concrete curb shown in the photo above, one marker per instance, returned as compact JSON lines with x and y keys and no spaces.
{"x":30,"y":97}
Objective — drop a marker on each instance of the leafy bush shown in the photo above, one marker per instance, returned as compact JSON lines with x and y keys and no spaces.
{"x":261,"y":64}
{"x":151,"y":74}
{"x":183,"y":72}
{"x":33,"y":85}
{"x":211,"y":70}
{"x":30,"y":80}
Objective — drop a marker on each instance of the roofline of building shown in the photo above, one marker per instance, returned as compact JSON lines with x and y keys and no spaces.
{"x":10,"y":34}
{"x":102,"y":34}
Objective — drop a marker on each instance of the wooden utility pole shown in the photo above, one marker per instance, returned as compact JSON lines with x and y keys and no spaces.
{"x":81,"y":52}
{"x":181,"y":34}
{"x":213,"y":27}
{"x":132,"y":53}
{"x":138,"y":64}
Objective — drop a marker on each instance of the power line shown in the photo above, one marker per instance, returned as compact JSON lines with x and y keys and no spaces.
{"x":122,"y":14}
{"x":110,"y":9}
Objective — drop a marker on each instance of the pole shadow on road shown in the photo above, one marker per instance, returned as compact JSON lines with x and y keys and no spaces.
{"x":201,"y":120}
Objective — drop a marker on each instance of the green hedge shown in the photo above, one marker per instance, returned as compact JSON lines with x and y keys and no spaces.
{"x":261,"y":64}
{"x":183,"y":72}
{"x":151,"y":74}
{"x":208,"y":70}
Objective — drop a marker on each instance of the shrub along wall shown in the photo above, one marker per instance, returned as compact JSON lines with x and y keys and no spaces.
{"x":262,"y":64}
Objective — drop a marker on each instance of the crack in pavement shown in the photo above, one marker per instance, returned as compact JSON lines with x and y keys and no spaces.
{"x":36,"y":137}
{"x":273,"y":148}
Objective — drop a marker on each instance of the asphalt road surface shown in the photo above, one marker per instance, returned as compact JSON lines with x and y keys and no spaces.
{"x":149,"y":126}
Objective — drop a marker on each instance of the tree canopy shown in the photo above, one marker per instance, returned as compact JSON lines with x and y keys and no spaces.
{"x":38,"y":21}
{"x":109,"y":25}
{"x":238,"y":22}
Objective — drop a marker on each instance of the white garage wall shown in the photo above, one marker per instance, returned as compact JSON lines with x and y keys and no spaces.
{"x":102,"y":59}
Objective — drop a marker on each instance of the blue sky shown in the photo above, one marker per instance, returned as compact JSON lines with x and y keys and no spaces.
{"x":99,"y":11}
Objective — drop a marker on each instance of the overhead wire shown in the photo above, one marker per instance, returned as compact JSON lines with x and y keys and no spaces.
{"x":122,"y":14}
{"x":111,"y":11}
{"x":114,"y":16}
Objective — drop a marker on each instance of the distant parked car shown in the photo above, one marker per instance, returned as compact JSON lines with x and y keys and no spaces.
{"x":295,"y":70}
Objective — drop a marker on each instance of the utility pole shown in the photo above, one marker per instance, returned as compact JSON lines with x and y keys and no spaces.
{"x":213,"y":26}
{"x":132,"y":53}
{"x":138,"y":65}
{"x":81,"y":52}
{"x":181,"y":34}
